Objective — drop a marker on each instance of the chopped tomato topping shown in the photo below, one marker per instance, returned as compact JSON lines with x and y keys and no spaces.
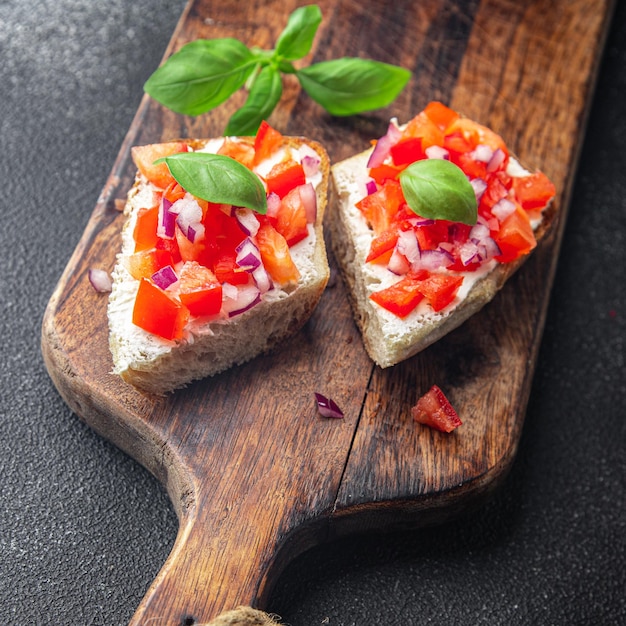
{"x":227,"y":271}
{"x":440,"y":114}
{"x":199,"y":290}
{"x":238,"y":150}
{"x":284,"y":176}
{"x":381,"y":244}
{"x":146,"y":262}
{"x":380,"y":207}
{"x":534,"y":191}
{"x":174,"y":192}
{"x":434,"y":409}
{"x":158,"y":313}
{"x":407,"y":151}
{"x":440,"y":289}
{"x":145,"y":233}
{"x":266,"y":142}
{"x":291,"y":220}
{"x":400,"y":298}
{"x":422,"y":126}
{"x":384,"y":172}
{"x":145,"y":156}
{"x":276,"y":256}
{"x":476,"y":134}
{"x":515,"y":237}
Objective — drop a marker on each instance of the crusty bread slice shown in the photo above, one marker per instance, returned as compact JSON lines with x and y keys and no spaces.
{"x":211,"y":346}
{"x":389,"y":339}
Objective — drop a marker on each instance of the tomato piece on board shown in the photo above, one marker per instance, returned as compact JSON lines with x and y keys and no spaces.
{"x":145,"y":232}
{"x":515,"y":237}
{"x":266,"y":142}
{"x":158,"y":313}
{"x":407,"y":151}
{"x":145,"y":156}
{"x":401,"y":297}
{"x":380,"y":207}
{"x":440,"y":114}
{"x":284,"y":176}
{"x":146,"y":262}
{"x":239,"y":150}
{"x":276,"y":256}
{"x":291,"y":220}
{"x":440,"y":289}
{"x":534,"y":191}
{"x":199,"y":290}
{"x":434,"y":409}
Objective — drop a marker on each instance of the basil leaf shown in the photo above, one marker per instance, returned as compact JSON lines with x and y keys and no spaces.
{"x":438,"y":189}
{"x":217,"y":178}
{"x":201,"y":75}
{"x":351,"y":85}
{"x":297,"y":38}
{"x":262,"y":99}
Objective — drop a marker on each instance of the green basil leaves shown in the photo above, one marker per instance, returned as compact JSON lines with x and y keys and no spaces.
{"x":206,"y":72}
{"x":439,"y":190}
{"x":217,"y":178}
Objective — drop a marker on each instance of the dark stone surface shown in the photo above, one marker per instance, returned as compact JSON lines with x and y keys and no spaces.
{"x":84,"y":529}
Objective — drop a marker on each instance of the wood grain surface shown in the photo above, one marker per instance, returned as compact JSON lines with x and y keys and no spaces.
{"x":254,"y":473}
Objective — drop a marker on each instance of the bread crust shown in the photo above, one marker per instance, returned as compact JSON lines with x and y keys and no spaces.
{"x":158,"y":366}
{"x":383,"y":349}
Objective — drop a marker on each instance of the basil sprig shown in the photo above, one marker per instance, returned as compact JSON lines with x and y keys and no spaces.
{"x":206,"y":72}
{"x":217,"y":178}
{"x":438,"y":189}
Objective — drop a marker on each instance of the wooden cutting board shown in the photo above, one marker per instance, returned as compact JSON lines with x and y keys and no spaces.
{"x":254,"y":473}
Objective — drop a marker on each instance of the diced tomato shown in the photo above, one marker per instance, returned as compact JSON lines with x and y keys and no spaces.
{"x":145,"y":232}
{"x":145,"y":156}
{"x":199,"y":290}
{"x":497,"y":189}
{"x":384,"y":172}
{"x":291,"y":218}
{"x":146,"y":262}
{"x":515,"y":237}
{"x":471,"y":167}
{"x":174,"y":192}
{"x":440,"y":289}
{"x":434,"y":409}
{"x":456,"y":143}
{"x":407,"y":151}
{"x":276,"y":256}
{"x":383,"y":243}
{"x":380,"y":207}
{"x":440,"y":114}
{"x":534,"y":191}
{"x":422,"y":126}
{"x":266,"y":142}
{"x":241,"y":151}
{"x":430,"y":236}
{"x":227,"y":271}
{"x":158,"y":313}
{"x":476,"y":134}
{"x":284,"y":176}
{"x":171,"y":246}
{"x":401,"y":297}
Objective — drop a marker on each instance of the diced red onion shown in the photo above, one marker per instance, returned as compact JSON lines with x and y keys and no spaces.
{"x":502,"y":209}
{"x":398,"y":263}
{"x":383,"y":146}
{"x":420,"y":221}
{"x":247,"y":297}
{"x":262,"y":279}
{"x":491,"y":247}
{"x":100,"y":280}
{"x":229,"y":292}
{"x":478,"y":233}
{"x":248,"y":255}
{"x":309,"y":200}
{"x":435,"y":259}
{"x":496,"y":160}
{"x":189,"y":218}
{"x":482,"y":153}
{"x":469,"y":253}
{"x":247,"y":221}
{"x":273,"y":204}
{"x":164,"y":277}
{"x":480,"y":186}
{"x":310,"y":165}
{"x":437,"y":152}
{"x":327,"y":407}
{"x":167,"y":220}
{"x":408,"y":246}
{"x":370,"y":187}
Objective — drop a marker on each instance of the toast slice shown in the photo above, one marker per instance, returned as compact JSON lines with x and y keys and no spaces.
{"x":186,"y":307}
{"x":384,"y":277}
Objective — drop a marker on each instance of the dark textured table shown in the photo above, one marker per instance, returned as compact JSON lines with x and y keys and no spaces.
{"x":84,"y":529}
